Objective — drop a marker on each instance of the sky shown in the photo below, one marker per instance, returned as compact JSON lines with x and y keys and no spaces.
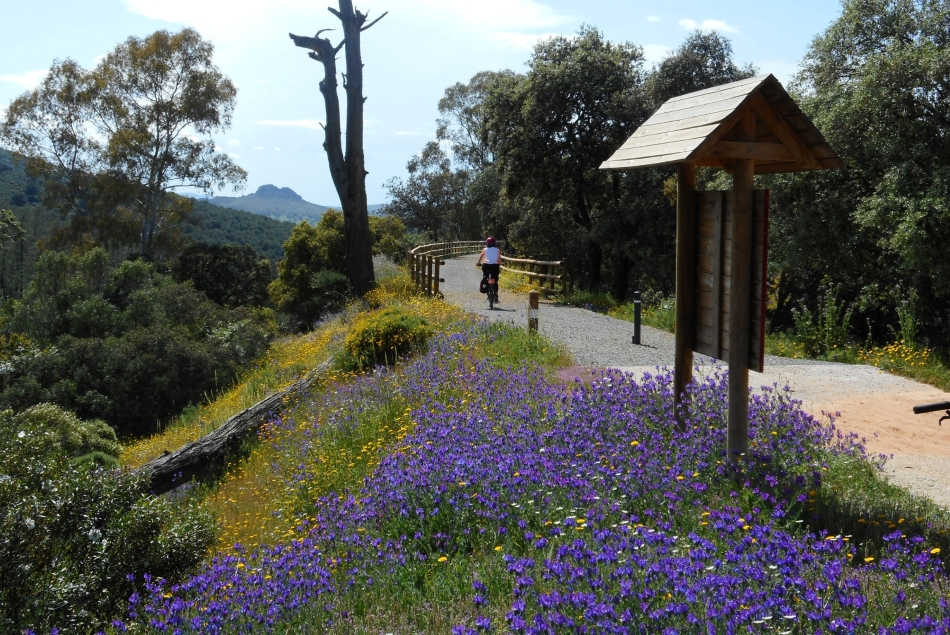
{"x":418,"y":50}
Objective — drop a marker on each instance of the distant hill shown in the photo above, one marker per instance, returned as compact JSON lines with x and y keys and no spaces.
{"x":21,"y":194}
{"x":221,"y":226}
{"x":279,"y":203}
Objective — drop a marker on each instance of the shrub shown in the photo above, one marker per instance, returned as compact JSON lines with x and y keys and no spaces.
{"x":76,"y":541}
{"x":66,"y":434}
{"x":825,"y":333}
{"x":383,"y":336}
{"x":125,"y":344}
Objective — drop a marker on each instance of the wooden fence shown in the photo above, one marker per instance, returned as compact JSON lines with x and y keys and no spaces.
{"x":425,"y":262}
{"x":547,"y":273}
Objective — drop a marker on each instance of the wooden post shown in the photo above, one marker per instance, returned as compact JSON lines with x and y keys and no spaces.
{"x":438,"y":267}
{"x":533,"y":310}
{"x":685,"y":285}
{"x":740,"y":317}
{"x":429,"y":260}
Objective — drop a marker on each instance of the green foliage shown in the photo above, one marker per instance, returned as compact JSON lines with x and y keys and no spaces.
{"x":92,"y":135}
{"x":217,"y":225}
{"x":826,"y":332}
{"x":432,"y":198}
{"x":76,"y":542}
{"x":310,"y":280}
{"x":874,"y":82}
{"x":382,"y":337}
{"x":125,"y":344}
{"x":229,"y":275}
{"x":389,"y":238}
{"x":65,"y":434}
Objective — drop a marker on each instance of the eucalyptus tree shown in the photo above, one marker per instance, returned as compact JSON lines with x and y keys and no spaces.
{"x":432,"y":198}
{"x":114,"y":142}
{"x":347,"y":166}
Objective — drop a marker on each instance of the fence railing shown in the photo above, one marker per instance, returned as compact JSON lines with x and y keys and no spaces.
{"x":425,"y":262}
{"x":547,"y":273}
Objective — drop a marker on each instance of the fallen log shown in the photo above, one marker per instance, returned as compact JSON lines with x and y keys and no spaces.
{"x":208,"y":454}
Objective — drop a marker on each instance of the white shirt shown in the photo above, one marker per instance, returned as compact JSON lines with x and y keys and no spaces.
{"x":491,"y":256}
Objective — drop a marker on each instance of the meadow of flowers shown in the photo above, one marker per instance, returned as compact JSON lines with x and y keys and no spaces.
{"x":461,"y":495}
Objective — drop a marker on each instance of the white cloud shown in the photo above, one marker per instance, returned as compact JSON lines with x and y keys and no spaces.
{"x":707,"y":25}
{"x":235,"y":143}
{"x":276,"y":149}
{"x":311,"y":124}
{"x":28,"y":80}
{"x":234,"y":156}
{"x":655,"y":52}
{"x":407,"y":134}
{"x":524,"y":41}
{"x":653,"y":18}
{"x":502,"y":14}
{"x":258,"y":148}
{"x":231,"y":19}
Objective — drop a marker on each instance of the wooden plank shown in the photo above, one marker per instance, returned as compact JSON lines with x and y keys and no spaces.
{"x":720,"y":226}
{"x":670,"y":136}
{"x":706,"y":91}
{"x":633,"y":163}
{"x":752,"y":150}
{"x":800,"y":153}
{"x":659,"y":150}
{"x":737,"y":435}
{"x":685,"y":286}
{"x":696,"y":99}
{"x":720,"y":110}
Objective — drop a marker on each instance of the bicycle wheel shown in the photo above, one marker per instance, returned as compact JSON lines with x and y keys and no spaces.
{"x":491,"y":300}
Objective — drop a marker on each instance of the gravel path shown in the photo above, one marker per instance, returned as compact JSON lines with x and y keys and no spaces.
{"x":870,"y":402}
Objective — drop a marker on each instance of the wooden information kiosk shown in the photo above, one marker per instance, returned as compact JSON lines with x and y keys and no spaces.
{"x":747,"y":127}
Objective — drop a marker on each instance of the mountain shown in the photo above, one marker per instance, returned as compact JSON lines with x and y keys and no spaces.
{"x":279,"y":203}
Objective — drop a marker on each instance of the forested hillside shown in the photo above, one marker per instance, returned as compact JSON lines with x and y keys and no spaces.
{"x":220,"y":226}
{"x":212,"y":224}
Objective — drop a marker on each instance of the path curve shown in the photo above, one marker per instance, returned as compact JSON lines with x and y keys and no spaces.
{"x":872,"y":403}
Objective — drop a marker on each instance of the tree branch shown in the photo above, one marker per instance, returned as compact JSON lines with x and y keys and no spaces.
{"x":374,"y":21}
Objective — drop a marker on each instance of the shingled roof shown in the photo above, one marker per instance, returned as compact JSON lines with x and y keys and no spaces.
{"x":696,"y":128}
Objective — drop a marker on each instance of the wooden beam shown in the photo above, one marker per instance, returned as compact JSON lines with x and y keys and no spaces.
{"x":752,"y":150}
{"x":740,"y":299}
{"x":800,"y":152}
{"x":685,"y":285}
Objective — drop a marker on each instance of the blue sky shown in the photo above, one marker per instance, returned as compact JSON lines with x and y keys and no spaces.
{"x":410,"y":57}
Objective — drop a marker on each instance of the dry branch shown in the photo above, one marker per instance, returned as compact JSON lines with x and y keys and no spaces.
{"x":207,"y":454}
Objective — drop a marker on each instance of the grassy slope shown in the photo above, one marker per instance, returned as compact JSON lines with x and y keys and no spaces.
{"x":253,"y":505}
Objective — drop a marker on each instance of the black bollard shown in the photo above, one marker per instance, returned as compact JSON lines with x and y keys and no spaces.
{"x":636,"y":317}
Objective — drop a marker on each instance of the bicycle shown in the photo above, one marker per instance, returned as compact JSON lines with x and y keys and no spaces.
{"x":489,"y":285}
{"x":934,"y":407}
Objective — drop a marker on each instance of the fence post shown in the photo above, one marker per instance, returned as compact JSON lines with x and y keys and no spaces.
{"x":429,"y":260}
{"x":636,"y":317}
{"x":533,"y":311}
{"x":437,"y":280}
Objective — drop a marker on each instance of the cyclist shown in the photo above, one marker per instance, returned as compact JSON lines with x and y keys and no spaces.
{"x":490,"y":261}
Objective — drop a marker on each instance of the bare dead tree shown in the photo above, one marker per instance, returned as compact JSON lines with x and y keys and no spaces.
{"x":348,"y":170}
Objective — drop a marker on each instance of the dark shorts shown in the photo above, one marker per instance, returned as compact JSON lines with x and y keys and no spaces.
{"x":491,"y":271}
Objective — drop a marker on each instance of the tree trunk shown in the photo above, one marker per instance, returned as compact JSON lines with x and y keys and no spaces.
{"x":349,"y":171}
{"x":208,"y":454}
{"x":621,"y":278}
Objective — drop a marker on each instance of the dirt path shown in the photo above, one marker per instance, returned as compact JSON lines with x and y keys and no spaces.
{"x":873,"y":404}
